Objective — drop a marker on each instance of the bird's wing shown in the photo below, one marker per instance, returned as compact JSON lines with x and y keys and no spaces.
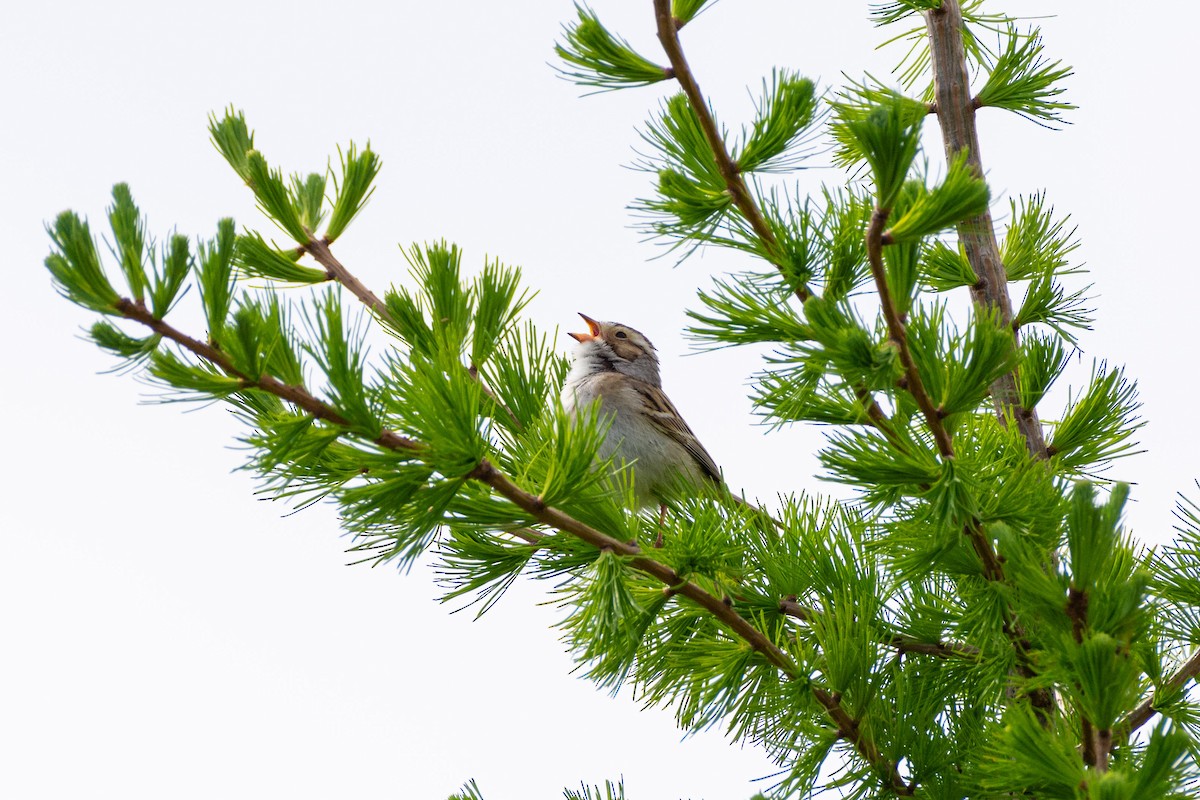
{"x":662,"y":413}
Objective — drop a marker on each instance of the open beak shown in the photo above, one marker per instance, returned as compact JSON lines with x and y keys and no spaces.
{"x":593,"y":328}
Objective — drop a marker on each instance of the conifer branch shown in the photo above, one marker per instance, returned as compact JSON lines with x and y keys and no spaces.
{"x":902,"y":643}
{"x":531,"y":503}
{"x":1094,"y":744}
{"x":956,"y":117}
{"x":993,"y":569}
{"x":485,"y":473}
{"x":668,"y":35}
{"x":319,"y":250}
{"x":296,"y":395}
{"x":1146,"y":711}
{"x":899,"y":336}
{"x":875,"y":412}
{"x":848,"y":727}
{"x":735,"y":184}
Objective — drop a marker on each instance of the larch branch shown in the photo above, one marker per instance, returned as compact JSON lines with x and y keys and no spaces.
{"x":900,"y":642}
{"x":993,"y":569}
{"x":848,"y":727}
{"x":319,"y":250}
{"x":485,"y":473}
{"x":1146,"y":711}
{"x":956,"y":116}
{"x":296,"y":395}
{"x":735,"y":184}
{"x":898,"y":334}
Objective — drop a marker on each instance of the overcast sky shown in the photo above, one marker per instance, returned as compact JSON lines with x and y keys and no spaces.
{"x":167,"y":634}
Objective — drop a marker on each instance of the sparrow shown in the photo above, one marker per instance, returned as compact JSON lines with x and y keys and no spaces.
{"x":618,"y":366}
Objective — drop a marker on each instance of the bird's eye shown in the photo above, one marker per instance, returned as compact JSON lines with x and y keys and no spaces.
{"x":621,"y":335}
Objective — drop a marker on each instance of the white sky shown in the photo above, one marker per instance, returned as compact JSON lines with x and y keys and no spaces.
{"x":167,"y":634}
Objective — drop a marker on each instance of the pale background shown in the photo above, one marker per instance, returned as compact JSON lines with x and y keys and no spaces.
{"x":165,"y":634}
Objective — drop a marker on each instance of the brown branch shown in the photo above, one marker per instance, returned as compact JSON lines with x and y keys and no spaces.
{"x":902,"y":643}
{"x":296,"y":395}
{"x":319,"y":250}
{"x":956,"y":116}
{"x":1104,"y":745}
{"x":532,"y":504}
{"x":1091,"y":750}
{"x":1087,"y":738}
{"x":993,"y":570}
{"x":899,"y":336}
{"x":847,"y":726}
{"x":484,"y":473}
{"x":874,"y":412}
{"x":1143,"y":713}
{"x":668,"y":35}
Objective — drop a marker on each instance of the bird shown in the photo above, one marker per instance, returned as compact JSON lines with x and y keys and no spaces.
{"x":618,"y":367}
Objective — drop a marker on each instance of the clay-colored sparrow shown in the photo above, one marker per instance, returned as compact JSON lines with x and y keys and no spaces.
{"x":618,"y":366}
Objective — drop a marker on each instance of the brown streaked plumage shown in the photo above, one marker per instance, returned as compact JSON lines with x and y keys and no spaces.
{"x":617,"y":366}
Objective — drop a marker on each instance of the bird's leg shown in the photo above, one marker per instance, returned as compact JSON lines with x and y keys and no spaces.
{"x":662,"y":518}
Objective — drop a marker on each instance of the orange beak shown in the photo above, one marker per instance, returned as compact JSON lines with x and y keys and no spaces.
{"x":593,"y":327}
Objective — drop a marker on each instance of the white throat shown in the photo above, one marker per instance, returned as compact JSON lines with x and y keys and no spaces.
{"x":595,"y":357}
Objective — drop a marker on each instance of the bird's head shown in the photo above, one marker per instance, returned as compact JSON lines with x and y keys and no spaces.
{"x":618,"y":347}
